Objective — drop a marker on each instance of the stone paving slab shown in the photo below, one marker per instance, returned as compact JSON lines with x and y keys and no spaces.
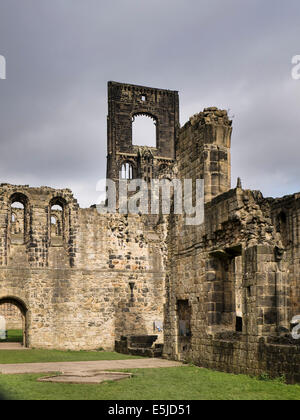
{"x":12,"y":346}
{"x":87,"y":379}
{"x":71,"y":368}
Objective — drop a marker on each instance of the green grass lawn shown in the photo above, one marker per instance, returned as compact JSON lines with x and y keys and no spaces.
{"x":180,"y":383}
{"x":41,"y":356}
{"x":13,"y":336}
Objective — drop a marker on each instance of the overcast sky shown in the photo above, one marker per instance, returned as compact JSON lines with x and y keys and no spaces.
{"x":234,"y":54}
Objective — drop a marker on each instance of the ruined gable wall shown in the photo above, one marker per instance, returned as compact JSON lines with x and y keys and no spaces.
{"x":77,"y":292}
{"x":125,"y":102}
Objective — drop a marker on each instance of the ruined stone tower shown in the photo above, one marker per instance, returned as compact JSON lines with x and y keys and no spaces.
{"x":203,"y":151}
{"x":125,"y":102}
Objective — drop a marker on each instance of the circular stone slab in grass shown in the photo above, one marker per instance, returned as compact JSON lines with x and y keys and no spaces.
{"x":85,"y":379}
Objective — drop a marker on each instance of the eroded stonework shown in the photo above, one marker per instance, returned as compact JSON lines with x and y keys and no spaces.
{"x":225,"y":292}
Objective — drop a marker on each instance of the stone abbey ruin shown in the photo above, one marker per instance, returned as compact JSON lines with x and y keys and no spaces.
{"x":221,"y":295}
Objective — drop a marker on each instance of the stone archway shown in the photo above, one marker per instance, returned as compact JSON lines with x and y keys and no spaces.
{"x":22,"y":307}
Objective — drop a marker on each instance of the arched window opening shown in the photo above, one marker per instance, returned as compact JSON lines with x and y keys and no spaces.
{"x":57,"y":222}
{"x":13,"y":321}
{"x":17,"y":220}
{"x":126,"y":171}
{"x":144,"y":129}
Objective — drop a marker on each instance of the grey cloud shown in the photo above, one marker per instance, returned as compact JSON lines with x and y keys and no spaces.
{"x":228,"y":53}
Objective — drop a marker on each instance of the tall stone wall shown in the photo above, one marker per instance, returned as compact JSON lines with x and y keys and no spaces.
{"x":103,"y":278}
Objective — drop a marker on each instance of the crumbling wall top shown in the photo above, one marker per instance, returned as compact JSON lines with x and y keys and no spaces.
{"x":209,"y":116}
{"x":39,"y":195}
